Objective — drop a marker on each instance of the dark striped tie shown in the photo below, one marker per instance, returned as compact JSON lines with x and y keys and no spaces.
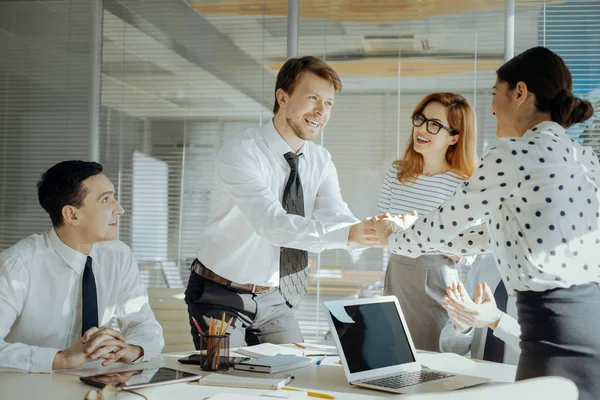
{"x":89,"y":298}
{"x":293,"y":274}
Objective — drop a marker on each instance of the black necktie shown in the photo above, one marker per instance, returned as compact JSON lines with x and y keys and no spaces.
{"x":494,"y":347}
{"x":89,"y":298}
{"x":293,"y":274}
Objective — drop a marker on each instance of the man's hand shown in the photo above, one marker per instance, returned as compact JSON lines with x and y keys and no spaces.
{"x":363,"y":233}
{"x":99,"y":340}
{"x":388,"y":224}
{"x":94,"y":344}
{"x":480,"y":312}
{"x":97,"y":343}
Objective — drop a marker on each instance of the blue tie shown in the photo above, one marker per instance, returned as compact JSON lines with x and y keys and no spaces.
{"x":494,"y":347}
{"x":89,"y":297}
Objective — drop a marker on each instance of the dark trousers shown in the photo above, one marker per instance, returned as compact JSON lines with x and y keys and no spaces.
{"x":560,"y":336}
{"x":257,"y":318}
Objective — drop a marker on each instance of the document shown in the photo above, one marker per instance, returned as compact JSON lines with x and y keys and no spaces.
{"x":271,"y":395}
{"x":269,"y":349}
{"x":243,"y":382}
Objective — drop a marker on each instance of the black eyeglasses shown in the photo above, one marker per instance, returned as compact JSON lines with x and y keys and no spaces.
{"x":433,"y":127}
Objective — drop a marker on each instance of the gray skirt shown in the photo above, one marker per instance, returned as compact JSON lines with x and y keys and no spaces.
{"x":560,"y":336}
{"x":420,"y":285}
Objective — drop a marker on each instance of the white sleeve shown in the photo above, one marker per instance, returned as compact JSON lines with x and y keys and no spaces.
{"x":509,"y":331}
{"x":239,"y":173}
{"x":13,"y":292}
{"x":139,"y":325}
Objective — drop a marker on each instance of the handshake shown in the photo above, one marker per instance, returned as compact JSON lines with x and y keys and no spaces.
{"x":375,"y":231}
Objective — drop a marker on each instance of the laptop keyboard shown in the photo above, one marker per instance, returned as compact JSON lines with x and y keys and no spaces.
{"x":408,"y":379}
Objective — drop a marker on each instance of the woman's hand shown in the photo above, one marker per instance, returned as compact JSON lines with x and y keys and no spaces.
{"x":387,"y":224}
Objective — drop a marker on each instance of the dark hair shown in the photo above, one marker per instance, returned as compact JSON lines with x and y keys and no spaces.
{"x":294,"y":67}
{"x":61,"y":186}
{"x":547,"y":76}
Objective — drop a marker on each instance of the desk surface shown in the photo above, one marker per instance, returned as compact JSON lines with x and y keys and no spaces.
{"x":328,"y":378}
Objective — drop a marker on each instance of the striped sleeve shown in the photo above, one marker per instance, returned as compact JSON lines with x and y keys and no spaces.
{"x":385,"y":194}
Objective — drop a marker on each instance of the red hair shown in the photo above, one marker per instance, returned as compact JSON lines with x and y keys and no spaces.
{"x":461,"y":155}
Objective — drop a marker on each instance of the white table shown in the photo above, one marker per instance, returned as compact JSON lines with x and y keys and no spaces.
{"x":326,"y":378}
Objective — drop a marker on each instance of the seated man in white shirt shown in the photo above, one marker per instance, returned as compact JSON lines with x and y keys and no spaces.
{"x":60,"y":290}
{"x":276,"y":198}
{"x":484,"y":324}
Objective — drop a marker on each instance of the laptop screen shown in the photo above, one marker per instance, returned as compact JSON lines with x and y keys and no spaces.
{"x":376,"y":339}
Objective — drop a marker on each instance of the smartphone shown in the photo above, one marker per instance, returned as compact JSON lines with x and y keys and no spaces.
{"x":195,"y":359}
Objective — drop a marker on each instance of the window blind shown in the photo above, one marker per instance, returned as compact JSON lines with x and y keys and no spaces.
{"x":45,"y":79}
{"x":572,"y":30}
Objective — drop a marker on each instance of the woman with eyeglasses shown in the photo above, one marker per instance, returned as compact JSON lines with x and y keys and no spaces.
{"x":536,"y":194}
{"x":440,"y":155}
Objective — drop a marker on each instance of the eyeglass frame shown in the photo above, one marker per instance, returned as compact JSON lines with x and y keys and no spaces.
{"x":426,"y":121}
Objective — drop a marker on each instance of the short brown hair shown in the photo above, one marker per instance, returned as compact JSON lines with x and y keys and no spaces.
{"x":294,"y":67}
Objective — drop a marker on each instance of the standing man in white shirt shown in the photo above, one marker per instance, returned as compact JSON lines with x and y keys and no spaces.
{"x":59,"y":291}
{"x":277,"y":197}
{"x":486,"y":326}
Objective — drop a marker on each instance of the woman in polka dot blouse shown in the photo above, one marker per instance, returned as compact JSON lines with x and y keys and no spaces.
{"x":534,"y":203}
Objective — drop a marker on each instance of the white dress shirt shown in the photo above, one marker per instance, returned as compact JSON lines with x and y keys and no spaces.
{"x":473,"y":340}
{"x":537,"y":197}
{"x":249,"y":225}
{"x":40,"y":300}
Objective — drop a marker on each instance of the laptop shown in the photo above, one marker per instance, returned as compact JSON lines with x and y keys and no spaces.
{"x":377,"y":351}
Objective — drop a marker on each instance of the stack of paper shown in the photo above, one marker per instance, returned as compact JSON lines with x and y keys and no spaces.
{"x":243,"y":382}
{"x":271,"y":395}
{"x":269,"y":349}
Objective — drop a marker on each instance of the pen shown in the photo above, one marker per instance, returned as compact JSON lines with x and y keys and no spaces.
{"x":311,"y":394}
{"x":320,"y":360}
{"x":298,"y":345}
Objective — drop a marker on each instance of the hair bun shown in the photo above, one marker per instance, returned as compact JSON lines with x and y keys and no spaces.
{"x":568,"y":110}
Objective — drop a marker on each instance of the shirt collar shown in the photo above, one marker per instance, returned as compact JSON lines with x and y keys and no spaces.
{"x":73,"y":258}
{"x":276,"y":144}
{"x":550,"y":127}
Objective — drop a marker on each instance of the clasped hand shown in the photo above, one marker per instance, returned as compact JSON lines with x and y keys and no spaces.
{"x":387,"y":224}
{"x":375,"y":231}
{"x":97,"y":343}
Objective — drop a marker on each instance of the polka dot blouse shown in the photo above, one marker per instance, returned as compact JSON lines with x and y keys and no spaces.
{"x":533,"y":202}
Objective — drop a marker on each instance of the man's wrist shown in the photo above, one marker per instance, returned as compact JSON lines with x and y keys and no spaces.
{"x":57,"y":361}
{"x":137,"y":352}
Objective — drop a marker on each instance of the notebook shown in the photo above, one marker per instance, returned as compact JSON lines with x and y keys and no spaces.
{"x":377,"y":350}
{"x":274,"y":364}
{"x":243,"y":382}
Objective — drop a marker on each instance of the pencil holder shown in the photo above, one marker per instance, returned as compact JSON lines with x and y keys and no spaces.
{"x":214,"y":352}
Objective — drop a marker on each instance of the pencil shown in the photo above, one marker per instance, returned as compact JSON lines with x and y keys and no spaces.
{"x":311,"y":394}
{"x":222,"y":324}
{"x":197,"y":325}
{"x":298,"y":345}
